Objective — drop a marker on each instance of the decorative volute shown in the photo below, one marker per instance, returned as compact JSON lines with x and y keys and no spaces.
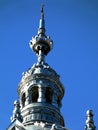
{"x":89,"y":121}
{"x":40,"y":90}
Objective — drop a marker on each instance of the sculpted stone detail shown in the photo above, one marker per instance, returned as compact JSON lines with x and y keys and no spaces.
{"x":38,"y":69}
{"x":89,"y":121}
{"x":43,"y":113}
{"x":16,"y":112}
{"x":57,"y":127}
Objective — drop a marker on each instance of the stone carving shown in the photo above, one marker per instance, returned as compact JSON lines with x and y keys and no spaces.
{"x":16,"y":112}
{"x":57,"y":127}
{"x":90,"y":122}
{"x":54,"y":127}
{"x":38,"y":69}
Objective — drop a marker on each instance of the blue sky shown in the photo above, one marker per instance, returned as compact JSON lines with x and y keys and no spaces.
{"x":73,"y":26}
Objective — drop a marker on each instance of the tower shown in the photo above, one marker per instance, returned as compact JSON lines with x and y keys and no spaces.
{"x":40,"y":90}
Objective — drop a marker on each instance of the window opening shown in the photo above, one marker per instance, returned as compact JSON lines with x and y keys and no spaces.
{"x":23,"y":100}
{"x":48,"y":95}
{"x":34,"y":94}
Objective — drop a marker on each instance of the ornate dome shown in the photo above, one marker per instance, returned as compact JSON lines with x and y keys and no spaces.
{"x":41,"y":73}
{"x":42,"y":69}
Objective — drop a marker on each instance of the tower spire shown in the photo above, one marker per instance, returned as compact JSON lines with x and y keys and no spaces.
{"x":89,"y":121}
{"x":41,"y":30}
{"x":42,"y":11}
{"x":42,"y":94}
{"x":41,"y":44}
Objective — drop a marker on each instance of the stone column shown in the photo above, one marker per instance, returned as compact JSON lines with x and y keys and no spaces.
{"x":54,"y":99}
{"x":20,"y":100}
{"x":41,"y":91}
{"x":27,"y":98}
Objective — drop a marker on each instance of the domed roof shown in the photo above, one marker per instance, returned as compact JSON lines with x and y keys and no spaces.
{"x":39,"y":72}
{"x":42,"y":69}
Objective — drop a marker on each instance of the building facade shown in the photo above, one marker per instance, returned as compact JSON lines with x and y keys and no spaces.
{"x":41,"y":91}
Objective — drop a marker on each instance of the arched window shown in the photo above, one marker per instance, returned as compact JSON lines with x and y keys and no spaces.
{"x":34,"y":94}
{"x":48,"y":95}
{"x":23,"y":100}
{"x":59,"y":102}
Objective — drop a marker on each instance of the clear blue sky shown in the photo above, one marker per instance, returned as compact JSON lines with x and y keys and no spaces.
{"x":73,"y":26}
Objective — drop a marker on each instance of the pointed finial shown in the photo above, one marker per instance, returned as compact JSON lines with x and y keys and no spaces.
{"x":41,"y":44}
{"x":89,"y":121}
{"x":42,"y":11}
{"x":42,"y":22}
